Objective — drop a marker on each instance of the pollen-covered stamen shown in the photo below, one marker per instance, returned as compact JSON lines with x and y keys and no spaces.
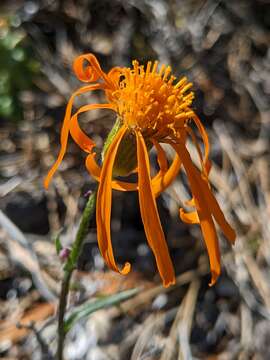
{"x":148,"y":100}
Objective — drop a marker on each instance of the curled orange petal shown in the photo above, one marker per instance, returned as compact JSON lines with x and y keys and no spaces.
{"x":81,"y":139}
{"x":87,"y":69}
{"x":204,"y":135}
{"x":85,"y":73}
{"x":104,"y":203}
{"x":150,"y":217}
{"x":66,"y":129}
{"x":189,"y":218}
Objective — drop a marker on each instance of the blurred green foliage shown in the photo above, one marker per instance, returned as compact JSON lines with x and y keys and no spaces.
{"x":17,"y":67}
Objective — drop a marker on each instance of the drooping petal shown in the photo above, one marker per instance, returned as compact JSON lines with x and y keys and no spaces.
{"x":194,"y":140}
{"x":212,"y":204}
{"x":204,"y":135}
{"x":159,"y":183}
{"x":206,"y":192}
{"x":206,"y":221}
{"x":81,"y":139}
{"x":104,"y":203}
{"x":150,"y":217}
{"x":161,"y":157}
{"x":92,"y":167}
{"x":211,"y":240}
{"x":215,"y":208}
{"x":192,"y":217}
{"x":66,"y":129}
{"x":95,"y":170}
{"x":165,"y":176}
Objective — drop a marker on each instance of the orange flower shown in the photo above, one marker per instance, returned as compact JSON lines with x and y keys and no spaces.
{"x":150,"y":110}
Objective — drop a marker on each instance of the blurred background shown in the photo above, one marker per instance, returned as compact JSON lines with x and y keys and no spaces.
{"x":222,"y":46}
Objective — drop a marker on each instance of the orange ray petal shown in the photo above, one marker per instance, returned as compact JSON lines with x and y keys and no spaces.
{"x":150,"y":217}
{"x":204,"y":135}
{"x":65,"y":130}
{"x":209,"y":198}
{"x":190,"y":202}
{"x":159,"y":183}
{"x":95,"y":170}
{"x":81,"y":139}
{"x":189,"y":218}
{"x":90,"y":72}
{"x":161,"y":157}
{"x":193,"y":137}
{"x":104,"y":203}
{"x":85,"y":73}
{"x":211,"y":240}
{"x":214,"y":207}
{"x":206,"y":221}
{"x":92,"y":167}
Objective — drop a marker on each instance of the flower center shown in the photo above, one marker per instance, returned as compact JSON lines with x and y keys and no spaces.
{"x":148,"y":100}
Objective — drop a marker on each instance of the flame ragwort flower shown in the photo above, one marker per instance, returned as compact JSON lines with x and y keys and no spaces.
{"x":151,"y":109}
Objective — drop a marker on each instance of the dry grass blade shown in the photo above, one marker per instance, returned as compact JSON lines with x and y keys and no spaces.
{"x":243,"y":182}
{"x":259,"y":279}
{"x":185,"y":322}
{"x":246,"y":327}
{"x":146,"y":296}
{"x":21,"y":252}
{"x":181,"y":327}
{"x":151,"y":325}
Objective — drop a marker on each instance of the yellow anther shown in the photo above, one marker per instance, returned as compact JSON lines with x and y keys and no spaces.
{"x":155,"y":67}
{"x":180,"y":83}
{"x":167,"y":73}
{"x":187,"y":87}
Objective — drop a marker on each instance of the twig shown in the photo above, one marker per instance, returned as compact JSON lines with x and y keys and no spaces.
{"x":70,"y":267}
{"x":246,"y":327}
{"x":43,"y":345}
{"x":185,"y":324}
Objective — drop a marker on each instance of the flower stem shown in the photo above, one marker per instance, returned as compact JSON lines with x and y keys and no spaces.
{"x":70,"y":266}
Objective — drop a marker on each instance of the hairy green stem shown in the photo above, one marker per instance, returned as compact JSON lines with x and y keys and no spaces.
{"x":70,"y":266}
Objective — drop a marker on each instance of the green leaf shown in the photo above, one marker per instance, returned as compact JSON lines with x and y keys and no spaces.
{"x":58,"y":245}
{"x":88,"y":308}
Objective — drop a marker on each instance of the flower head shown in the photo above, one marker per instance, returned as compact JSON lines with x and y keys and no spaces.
{"x":152,"y":108}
